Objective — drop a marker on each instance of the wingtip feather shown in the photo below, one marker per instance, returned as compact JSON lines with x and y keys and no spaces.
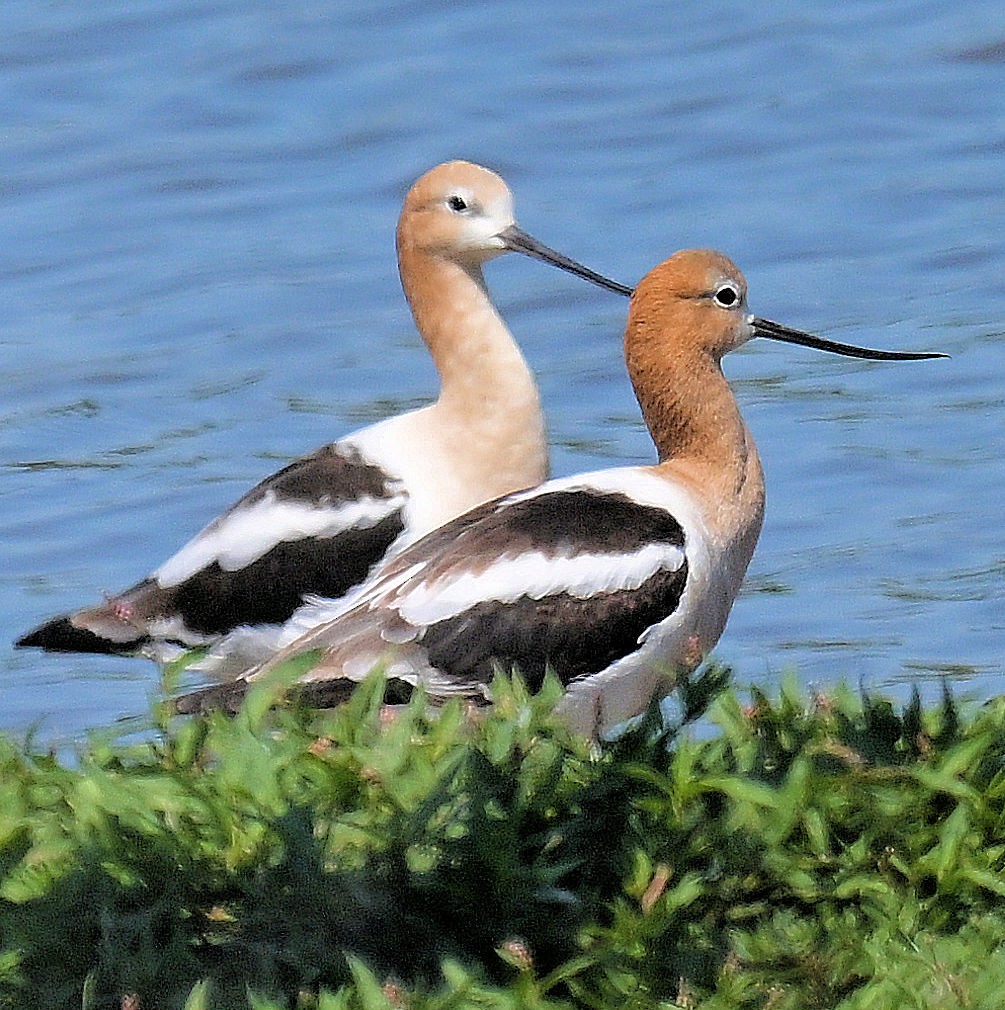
{"x":61,"y":634}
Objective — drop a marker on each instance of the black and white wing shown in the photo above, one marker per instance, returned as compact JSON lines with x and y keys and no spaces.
{"x":315,"y":527}
{"x":571,"y":577}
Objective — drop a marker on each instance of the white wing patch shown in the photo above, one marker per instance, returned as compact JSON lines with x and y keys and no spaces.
{"x":536,"y":575}
{"x":317,"y":610}
{"x":246,"y":534}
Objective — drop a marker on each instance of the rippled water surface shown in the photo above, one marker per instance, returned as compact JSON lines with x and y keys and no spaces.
{"x":196,"y":247}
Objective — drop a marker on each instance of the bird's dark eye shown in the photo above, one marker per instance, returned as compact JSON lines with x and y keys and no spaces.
{"x":457,"y":203}
{"x":726,"y":296}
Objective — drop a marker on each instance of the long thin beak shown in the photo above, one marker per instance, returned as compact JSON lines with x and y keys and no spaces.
{"x":517,"y":240}
{"x":774,"y":331}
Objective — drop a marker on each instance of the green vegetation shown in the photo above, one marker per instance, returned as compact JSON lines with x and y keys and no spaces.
{"x":804,"y":853}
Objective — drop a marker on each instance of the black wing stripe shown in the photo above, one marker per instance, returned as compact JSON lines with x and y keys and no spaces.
{"x":553,"y":523}
{"x":574,"y":637}
{"x":268,"y":590}
{"x":334,"y":474}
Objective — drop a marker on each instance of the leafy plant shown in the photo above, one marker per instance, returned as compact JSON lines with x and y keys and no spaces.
{"x":802,"y":852}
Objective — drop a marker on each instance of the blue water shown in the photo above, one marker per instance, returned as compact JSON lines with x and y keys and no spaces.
{"x":196,"y":251}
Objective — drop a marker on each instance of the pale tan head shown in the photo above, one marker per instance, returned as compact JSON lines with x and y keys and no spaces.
{"x":463,"y":213}
{"x":457,"y":210}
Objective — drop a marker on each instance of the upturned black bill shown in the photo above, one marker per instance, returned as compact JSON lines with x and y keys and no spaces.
{"x":775,"y":331}
{"x":517,"y":240}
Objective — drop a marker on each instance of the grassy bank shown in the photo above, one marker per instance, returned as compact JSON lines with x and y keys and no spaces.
{"x":809,"y":852}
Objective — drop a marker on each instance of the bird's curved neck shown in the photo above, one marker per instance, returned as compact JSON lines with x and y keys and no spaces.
{"x":474,"y":352}
{"x":488,"y":397}
{"x":701,"y":437}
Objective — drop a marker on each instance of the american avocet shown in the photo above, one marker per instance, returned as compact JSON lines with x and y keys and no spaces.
{"x":617,"y":580}
{"x":321,"y":523}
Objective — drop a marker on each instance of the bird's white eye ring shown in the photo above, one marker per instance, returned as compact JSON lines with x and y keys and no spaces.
{"x":726,"y":296}
{"x":457,"y":203}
